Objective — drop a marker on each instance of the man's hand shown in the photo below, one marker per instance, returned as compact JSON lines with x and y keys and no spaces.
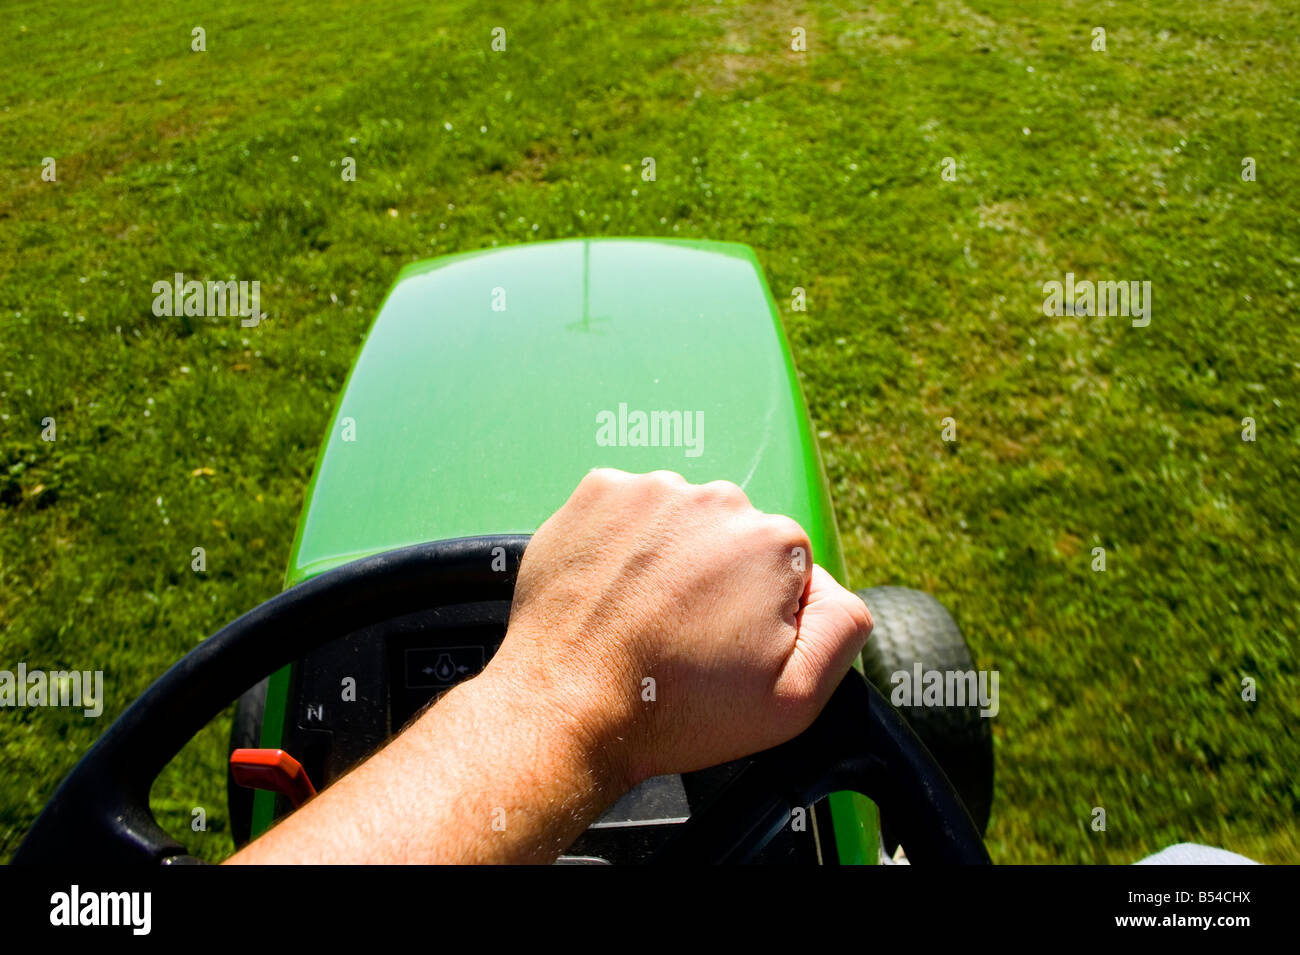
{"x":675,"y":625}
{"x":657,"y":627}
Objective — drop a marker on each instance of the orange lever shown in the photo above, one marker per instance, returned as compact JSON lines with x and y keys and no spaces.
{"x":274,"y":770}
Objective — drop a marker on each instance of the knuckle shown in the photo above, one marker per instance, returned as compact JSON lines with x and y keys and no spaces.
{"x":786,"y":533}
{"x":725,"y":492}
{"x":860,"y":613}
{"x":602,"y":478}
{"x":666,"y":477}
{"x":660,"y":486}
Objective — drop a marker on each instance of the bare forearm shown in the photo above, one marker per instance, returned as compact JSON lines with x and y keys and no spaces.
{"x":489,"y":774}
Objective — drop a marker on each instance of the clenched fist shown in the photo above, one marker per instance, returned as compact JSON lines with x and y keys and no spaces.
{"x":674,"y":626}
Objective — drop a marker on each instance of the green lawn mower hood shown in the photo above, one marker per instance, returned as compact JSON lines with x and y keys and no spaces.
{"x":492,"y":381}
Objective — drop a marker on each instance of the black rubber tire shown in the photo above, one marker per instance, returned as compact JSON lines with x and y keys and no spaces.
{"x":245,"y":733}
{"x":911,"y":627}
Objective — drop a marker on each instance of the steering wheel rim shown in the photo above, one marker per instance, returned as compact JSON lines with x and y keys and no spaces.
{"x":100,"y":812}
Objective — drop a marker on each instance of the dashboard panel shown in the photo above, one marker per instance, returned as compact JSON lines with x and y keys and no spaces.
{"x":350,"y":696}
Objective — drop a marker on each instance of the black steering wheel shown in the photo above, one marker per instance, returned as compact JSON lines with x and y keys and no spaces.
{"x":100,"y":813}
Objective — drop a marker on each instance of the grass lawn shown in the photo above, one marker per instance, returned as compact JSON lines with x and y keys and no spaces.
{"x":1120,"y":689}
